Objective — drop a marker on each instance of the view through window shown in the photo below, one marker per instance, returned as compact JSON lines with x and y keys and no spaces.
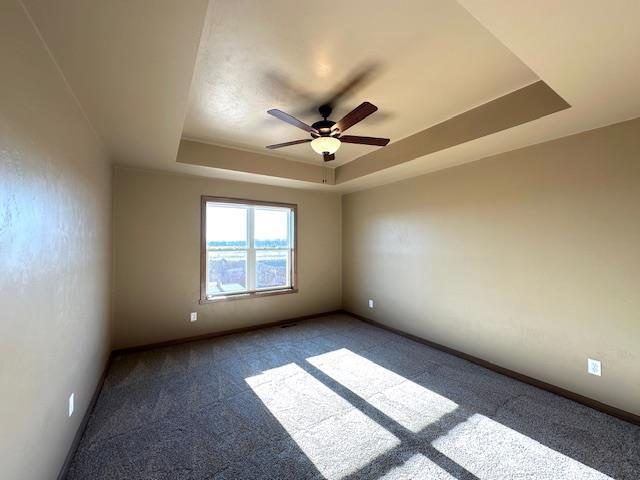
{"x":248,"y":248}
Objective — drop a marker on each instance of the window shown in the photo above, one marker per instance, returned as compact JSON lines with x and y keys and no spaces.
{"x":248,"y":248}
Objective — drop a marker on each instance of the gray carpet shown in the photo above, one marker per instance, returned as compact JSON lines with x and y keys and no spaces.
{"x":336,"y":398}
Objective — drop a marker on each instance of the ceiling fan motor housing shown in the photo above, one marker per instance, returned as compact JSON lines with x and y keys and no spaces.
{"x":325,"y":128}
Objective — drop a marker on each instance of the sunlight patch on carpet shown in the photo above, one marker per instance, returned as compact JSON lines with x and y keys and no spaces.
{"x":411,"y":405}
{"x":418,"y":466}
{"x":491,"y":450}
{"x":338,"y":438}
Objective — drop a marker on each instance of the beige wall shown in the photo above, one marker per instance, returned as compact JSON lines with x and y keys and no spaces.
{"x":529,"y":259}
{"x":157,"y":245}
{"x":55,"y":255}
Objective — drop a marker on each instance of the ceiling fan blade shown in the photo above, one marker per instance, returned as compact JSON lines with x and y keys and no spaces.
{"x":328,"y":157}
{"x":285,"y":117}
{"x":380,"y":142}
{"x":356,"y":115}
{"x":287,"y":144}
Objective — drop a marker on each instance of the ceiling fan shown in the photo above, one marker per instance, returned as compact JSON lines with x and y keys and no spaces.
{"x":327,"y":135}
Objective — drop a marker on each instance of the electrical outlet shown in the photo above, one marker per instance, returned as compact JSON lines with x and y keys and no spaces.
{"x":594,"y":367}
{"x":71,"y":401}
{"x":370,"y":303}
{"x":194,"y":316}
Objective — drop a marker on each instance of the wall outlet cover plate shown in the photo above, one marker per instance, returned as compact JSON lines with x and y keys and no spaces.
{"x":594,"y":367}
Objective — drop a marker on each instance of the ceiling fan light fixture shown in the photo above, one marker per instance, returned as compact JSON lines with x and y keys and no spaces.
{"x":328,"y":145}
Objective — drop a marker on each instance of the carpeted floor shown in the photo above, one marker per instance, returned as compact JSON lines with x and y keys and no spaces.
{"x":336,"y":398}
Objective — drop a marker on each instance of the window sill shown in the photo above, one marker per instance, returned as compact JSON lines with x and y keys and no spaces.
{"x":243,"y":296}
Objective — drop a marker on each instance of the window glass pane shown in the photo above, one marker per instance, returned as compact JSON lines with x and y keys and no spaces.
{"x":226,"y":272}
{"x":271,"y":228}
{"x":272,"y":268}
{"x":226,"y":226}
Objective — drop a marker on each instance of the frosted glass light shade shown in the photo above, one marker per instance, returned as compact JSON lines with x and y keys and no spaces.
{"x":329,"y":145}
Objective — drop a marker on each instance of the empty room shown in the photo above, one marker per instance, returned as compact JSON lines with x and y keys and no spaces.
{"x":249,"y":239}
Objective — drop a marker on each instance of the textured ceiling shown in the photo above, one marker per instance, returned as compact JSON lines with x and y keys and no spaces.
{"x":429,"y":60}
{"x":131,"y":65}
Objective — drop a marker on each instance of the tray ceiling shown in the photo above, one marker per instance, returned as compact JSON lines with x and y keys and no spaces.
{"x":427,"y":60}
{"x":451,"y":80}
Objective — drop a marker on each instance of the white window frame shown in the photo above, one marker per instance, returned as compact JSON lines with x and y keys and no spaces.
{"x":251,"y":250}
